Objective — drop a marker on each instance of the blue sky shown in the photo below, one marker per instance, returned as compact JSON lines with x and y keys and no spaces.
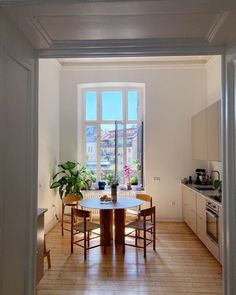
{"x":111,"y":105}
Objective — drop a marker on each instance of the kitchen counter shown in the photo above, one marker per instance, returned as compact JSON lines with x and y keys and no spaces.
{"x":208,"y":194}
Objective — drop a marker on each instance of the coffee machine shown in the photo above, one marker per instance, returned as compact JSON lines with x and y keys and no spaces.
{"x":201,"y":176}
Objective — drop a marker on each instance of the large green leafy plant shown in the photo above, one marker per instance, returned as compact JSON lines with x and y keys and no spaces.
{"x":71,"y":179}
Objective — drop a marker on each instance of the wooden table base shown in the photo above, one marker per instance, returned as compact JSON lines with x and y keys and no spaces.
{"x":106,"y":222}
{"x":119,"y":226}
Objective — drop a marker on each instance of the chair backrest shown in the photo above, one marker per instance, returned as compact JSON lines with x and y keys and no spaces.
{"x":149,"y":212}
{"x":71,"y":199}
{"x":79,"y":213}
{"x":145,"y":198}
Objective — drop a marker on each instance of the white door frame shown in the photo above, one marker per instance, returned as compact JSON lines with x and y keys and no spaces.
{"x":229,"y":170}
{"x":228,"y":148}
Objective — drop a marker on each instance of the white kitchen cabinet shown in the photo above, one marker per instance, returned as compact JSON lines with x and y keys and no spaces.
{"x":199,"y":136}
{"x":189,"y":208}
{"x":206,"y":133}
{"x":184,"y":202}
{"x":221,"y":236}
{"x":201,"y":218}
{"x":213,"y":115}
{"x":194,"y":214}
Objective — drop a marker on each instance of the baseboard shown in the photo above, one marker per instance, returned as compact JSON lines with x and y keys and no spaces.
{"x":50,"y":225}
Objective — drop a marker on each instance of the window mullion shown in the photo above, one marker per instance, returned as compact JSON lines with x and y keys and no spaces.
{"x":125,"y":110}
{"x":99,"y":121}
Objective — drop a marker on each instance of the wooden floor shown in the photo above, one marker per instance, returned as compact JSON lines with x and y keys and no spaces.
{"x":180,"y":265}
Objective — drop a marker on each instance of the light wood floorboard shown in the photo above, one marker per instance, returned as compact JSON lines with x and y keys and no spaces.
{"x":180,"y":265}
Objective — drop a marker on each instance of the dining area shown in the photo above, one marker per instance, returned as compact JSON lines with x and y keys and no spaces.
{"x":112,"y":227}
{"x":180,"y":263}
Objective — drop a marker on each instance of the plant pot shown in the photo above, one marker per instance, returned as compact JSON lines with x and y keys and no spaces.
{"x":101,"y":185}
{"x":129,"y":186}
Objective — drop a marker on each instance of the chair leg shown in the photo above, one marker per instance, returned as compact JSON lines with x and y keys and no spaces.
{"x":144,"y":241}
{"x":47,"y":254}
{"x":48,"y":259}
{"x":136,"y":237}
{"x":88,"y":238}
{"x":72,"y":242}
{"x":154,"y":237}
{"x":85,"y":248}
{"x":62,"y":219}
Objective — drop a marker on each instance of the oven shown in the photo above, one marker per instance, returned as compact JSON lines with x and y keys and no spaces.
{"x":212,"y":221}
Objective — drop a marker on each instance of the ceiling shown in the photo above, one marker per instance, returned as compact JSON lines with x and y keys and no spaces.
{"x":125,"y":28}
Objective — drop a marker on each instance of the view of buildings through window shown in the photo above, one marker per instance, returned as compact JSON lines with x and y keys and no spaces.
{"x":113,"y":132}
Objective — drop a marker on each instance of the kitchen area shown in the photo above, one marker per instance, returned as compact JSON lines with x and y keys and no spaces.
{"x":202,"y":193}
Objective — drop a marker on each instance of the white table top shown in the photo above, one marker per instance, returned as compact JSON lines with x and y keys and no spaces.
{"x":122,"y":203}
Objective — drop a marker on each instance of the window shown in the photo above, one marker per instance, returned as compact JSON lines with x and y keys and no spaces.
{"x":112,"y":128}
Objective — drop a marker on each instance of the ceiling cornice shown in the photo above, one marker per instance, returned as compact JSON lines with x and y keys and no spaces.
{"x":126,"y":48}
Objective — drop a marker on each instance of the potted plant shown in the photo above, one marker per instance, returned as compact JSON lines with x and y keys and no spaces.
{"x":71,"y":179}
{"x":113,"y":182}
{"x":134,"y":180}
{"x":90,"y":178}
{"x":128,"y":173}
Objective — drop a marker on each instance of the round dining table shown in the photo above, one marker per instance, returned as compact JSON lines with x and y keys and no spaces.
{"x":107,"y":221}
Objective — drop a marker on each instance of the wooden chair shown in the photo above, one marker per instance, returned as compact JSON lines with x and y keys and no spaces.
{"x":147,"y":225}
{"x":47,"y":254}
{"x":86,"y":227}
{"x":134,"y":212}
{"x":68,"y":201}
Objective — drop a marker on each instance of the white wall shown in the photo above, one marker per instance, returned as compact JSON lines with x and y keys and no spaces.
{"x":214,"y":88}
{"x":48,"y":154}
{"x":172,"y":95}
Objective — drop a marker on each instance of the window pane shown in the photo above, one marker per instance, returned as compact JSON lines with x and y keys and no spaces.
{"x":107,"y":149}
{"x":133,"y":105}
{"x":133,"y":151}
{"x":120,"y":152}
{"x":112,"y":105}
{"x":91,"y":105}
{"x":91,"y":147}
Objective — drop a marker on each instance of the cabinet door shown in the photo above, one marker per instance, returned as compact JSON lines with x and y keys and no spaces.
{"x":185,"y":202}
{"x":213,"y":132}
{"x":201,"y":218}
{"x":199,"y":136}
{"x":221,"y":236}
{"x":192,"y":218}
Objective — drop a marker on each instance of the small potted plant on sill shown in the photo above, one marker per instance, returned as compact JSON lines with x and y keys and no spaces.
{"x":128,"y":173}
{"x":134,"y":180}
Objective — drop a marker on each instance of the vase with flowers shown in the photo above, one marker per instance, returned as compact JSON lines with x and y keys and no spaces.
{"x":128,"y":173}
{"x":113,"y":182}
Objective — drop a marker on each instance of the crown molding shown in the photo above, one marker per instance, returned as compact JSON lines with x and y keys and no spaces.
{"x":39,"y":30}
{"x":217,"y":25}
{"x":130,"y":47}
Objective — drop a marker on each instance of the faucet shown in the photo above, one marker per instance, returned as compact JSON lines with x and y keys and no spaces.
{"x":217,"y":172}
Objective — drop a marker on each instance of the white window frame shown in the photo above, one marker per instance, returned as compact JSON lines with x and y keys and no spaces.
{"x":124,"y":88}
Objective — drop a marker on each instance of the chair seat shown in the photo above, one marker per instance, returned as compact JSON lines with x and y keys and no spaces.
{"x":139,"y":224}
{"x":89,"y":226}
